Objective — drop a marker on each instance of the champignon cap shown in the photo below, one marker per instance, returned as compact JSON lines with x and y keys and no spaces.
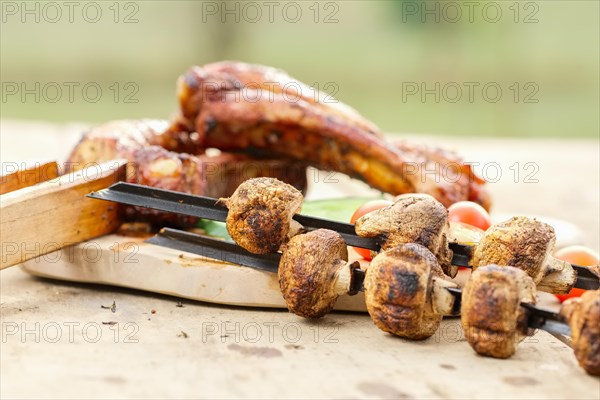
{"x":521,"y":242}
{"x":260,"y":214}
{"x":411,"y":219}
{"x":491,"y":315}
{"x":583,"y":315}
{"x":308,"y":272}
{"x":398,"y":291}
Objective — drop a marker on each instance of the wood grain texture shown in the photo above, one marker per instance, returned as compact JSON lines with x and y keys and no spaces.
{"x":40,"y":219}
{"x":28,"y":175}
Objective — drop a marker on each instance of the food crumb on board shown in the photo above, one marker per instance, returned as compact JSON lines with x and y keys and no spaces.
{"x":262,"y":352}
{"x":520,"y":380}
{"x":448,"y":366}
{"x":112,"y":307}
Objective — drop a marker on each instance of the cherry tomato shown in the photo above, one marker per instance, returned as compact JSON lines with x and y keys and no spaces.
{"x":579,"y":255}
{"x":470,"y":213}
{"x":366,"y":208}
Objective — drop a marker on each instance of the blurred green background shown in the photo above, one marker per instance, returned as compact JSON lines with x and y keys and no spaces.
{"x":543,"y":55}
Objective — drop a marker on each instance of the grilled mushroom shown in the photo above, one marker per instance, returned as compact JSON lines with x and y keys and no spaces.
{"x":583,"y":315}
{"x":260,"y":214}
{"x":404,"y":291}
{"x":526,"y":244}
{"x":314,"y":271}
{"x":491,"y":313}
{"x":411,"y":219}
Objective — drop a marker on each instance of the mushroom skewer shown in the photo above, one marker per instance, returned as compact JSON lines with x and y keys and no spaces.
{"x":521,"y":242}
{"x":407,"y":294}
{"x":498,"y":310}
{"x":497,"y":306}
{"x":388,"y":233}
{"x":314,"y":271}
{"x":213,"y":209}
{"x":313,"y":268}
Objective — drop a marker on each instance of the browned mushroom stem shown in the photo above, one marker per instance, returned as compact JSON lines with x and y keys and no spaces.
{"x":260,"y":214}
{"x":526,"y":244}
{"x":411,"y":219}
{"x":583,"y":315}
{"x":404,"y":292}
{"x":314,"y":271}
{"x":491,"y":313}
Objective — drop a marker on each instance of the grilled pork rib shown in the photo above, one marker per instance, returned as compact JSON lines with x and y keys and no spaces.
{"x":160,"y":158}
{"x":262,"y":111}
{"x":203,"y":82}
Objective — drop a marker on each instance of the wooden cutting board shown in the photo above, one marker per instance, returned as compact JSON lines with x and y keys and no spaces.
{"x":129,"y":262}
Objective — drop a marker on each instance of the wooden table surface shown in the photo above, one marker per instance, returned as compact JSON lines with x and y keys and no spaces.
{"x":58,"y":342}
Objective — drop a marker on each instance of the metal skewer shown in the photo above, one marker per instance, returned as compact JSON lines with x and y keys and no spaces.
{"x":209,"y":208}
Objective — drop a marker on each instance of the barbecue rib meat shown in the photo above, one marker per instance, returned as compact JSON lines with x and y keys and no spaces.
{"x":203,"y":82}
{"x":161,"y":158}
{"x":262,"y":111}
